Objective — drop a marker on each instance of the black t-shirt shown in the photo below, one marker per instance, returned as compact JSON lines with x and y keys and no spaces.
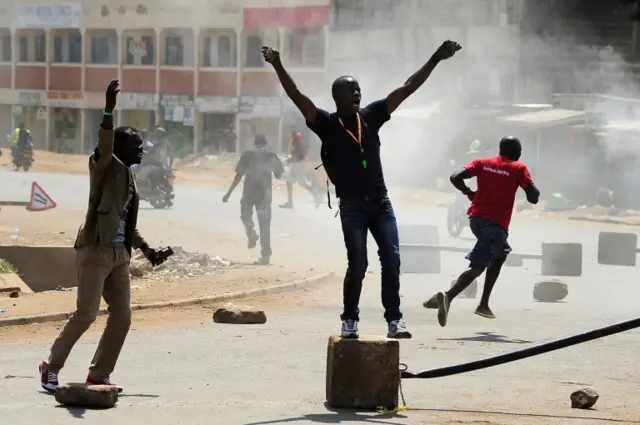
{"x":342,"y":158}
{"x":257,"y":167}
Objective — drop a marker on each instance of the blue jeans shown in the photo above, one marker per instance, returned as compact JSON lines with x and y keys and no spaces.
{"x":358,"y":217}
{"x":492,"y":242}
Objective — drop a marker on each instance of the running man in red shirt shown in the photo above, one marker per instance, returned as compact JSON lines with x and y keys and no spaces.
{"x":490,"y":212}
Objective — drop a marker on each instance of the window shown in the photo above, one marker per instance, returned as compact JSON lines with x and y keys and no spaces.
{"x":72,"y":52}
{"x":358,"y":14}
{"x":6,"y":48}
{"x":24,"y":49}
{"x":41,"y":48}
{"x":100,"y":50}
{"x":174,"y":51}
{"x":220,"y":51}
{"x":225,"y":53}
{"x":254,"y":52}
{"x":74,"y":39}
{"x":348,"y":14}
{"x":140,"y":50}
{"x":306,"y":47}
{"x":57,"y":49}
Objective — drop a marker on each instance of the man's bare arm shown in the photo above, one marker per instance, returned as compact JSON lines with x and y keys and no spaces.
{"x":457,"y":180}
{"x":103,"y":154}
{"x":414,"y":82}
{"x":302,"y":102}
{"x":235,"y":182}
{"x":138,"y":241}
{"x":533,"y":194}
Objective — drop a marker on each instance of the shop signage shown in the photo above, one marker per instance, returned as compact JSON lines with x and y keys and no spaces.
{"x":176,"y":100}
{"x":217,"y":104}
{"x":62,"y":99}
{"x":143,"y":101}
{"x":51,"y":15}
{"x":29,"y":98}
{"x":260,"y":107}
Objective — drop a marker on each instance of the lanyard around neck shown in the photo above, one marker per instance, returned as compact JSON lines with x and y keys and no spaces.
{"x":359,"y":138}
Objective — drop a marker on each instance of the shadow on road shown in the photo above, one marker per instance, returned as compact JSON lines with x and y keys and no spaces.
{"x":337,"y":416}
{"x":581,"y":419}
{"x":488,"y":337}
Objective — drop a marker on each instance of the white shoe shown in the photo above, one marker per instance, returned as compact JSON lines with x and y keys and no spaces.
{"x":349,"y":329}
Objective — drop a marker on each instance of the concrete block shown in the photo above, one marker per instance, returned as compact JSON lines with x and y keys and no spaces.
{"x":561,"y":259}
{"x":83,"y":395}
{"x":617,"y":249}
{"x":43,"y":268}
{"x":415,"y":260}
{"x":363,"y":373}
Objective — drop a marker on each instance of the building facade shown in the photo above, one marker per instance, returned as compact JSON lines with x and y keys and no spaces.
{"x":393,"y":38}
{"x":195,"y":68}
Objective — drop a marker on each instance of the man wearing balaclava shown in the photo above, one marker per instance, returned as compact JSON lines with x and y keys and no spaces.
{"x":498,"y":180}
{"x":103,"y":251}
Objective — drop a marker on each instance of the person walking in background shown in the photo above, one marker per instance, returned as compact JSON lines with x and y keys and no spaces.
{"x":103,"y":251}
{"x":257,"y":166}
{"x":299,"y":149}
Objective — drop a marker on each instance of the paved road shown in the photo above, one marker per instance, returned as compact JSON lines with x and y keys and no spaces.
{"x":211,"y":374}
{"x":274,"y":374}
{"x":201,"y":206}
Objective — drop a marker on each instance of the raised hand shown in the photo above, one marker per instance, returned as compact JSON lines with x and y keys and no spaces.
{"x":447,"y":49}
{"x":111,"y":96}
{"x":270,"y":55}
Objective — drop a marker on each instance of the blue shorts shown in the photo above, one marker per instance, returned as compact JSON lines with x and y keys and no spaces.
{"x":492,"y":242}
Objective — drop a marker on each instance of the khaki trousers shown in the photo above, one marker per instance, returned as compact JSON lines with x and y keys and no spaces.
{"x":102,"y":272}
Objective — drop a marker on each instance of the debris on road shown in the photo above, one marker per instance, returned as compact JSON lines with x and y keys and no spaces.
{"x":83,"y":395}
{"x":550,"y":291}
{"x":182,"y":264}
{"x":584,"y":398}
{"x":239,"y":315}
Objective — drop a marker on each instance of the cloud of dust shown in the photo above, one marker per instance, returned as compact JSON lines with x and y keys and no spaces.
{"x":497,"y":64}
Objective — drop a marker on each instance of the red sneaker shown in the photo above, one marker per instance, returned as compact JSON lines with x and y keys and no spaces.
{"x":106,"y":381}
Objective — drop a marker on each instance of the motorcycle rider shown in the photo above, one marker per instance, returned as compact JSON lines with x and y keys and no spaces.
{"x":21,"y":140}
{"x":157,"y":156}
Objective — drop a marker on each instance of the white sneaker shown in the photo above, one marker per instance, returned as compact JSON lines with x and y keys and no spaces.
{"x":398,"y":330}
{"x":349,"y":329}
{"x":48,"y":379}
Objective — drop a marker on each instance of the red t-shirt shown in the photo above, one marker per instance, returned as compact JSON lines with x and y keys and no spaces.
{"x":498,"y":181}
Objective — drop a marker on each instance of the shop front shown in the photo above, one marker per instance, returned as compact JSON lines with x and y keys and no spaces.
{"x":178,"y":116}
{"x":31,"y":110}
{"x":138,"y":110}
{"x":216,"y":123}
{"x":64,"y":115}
{"x":259,"y":115}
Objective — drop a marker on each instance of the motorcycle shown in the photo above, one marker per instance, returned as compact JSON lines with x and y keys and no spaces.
{"x":457,"y":215}
{"x":158,"y":191}
{"x":22,"y":158}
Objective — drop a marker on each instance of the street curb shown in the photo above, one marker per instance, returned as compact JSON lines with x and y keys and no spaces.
{"x":270,"y":290}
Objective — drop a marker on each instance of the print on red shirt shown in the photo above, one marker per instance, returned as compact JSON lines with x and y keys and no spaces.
{"x":498,"y":179}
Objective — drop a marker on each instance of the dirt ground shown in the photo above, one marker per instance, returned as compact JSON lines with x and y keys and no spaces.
{"x":240,"y":275}
{"x":159,"y":318}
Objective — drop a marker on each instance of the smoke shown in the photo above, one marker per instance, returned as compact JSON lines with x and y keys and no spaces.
{"x":546,"y":58}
